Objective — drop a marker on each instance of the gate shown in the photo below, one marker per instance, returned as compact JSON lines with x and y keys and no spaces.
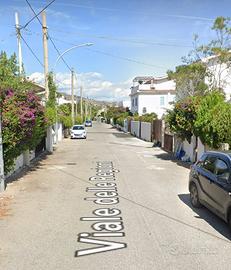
{"x":168,"y":142}
{"x":157,"y":130}
{"x":129,"y":125}
{"x":40,"y":147}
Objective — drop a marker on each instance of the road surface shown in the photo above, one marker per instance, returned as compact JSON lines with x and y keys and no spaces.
{"x":109,"y":202}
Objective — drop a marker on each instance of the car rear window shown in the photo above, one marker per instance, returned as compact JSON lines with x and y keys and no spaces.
{"x":78,"y":128}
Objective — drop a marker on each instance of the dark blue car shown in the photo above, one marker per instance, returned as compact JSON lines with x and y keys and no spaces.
{"x":210,"y":183}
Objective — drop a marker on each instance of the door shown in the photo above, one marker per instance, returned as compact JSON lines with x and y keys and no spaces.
{"x":220,"y":188}
{"x":207,"y":178}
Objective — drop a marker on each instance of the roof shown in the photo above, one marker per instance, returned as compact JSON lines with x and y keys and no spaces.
{"x":143,"y":78}
{"x":154,"y":92}
{"x":157,"y":80}
{"x":226,"y":153}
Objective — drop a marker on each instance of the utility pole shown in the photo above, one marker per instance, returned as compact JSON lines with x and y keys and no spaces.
{"x":49,"y":138}
{"x":2,"y":177}
{"x":72,"y":97}
{"x":76,"y":105}
{"x":45,"y":51}
{"x":76,"y":98}
{"x":85,"y":109}
{"x":81,"y":102}
{"x":19,"y":43}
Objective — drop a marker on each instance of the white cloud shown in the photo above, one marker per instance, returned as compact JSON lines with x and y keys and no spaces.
{"x":93,"y":83}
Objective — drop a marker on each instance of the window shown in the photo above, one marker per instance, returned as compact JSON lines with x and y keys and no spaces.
{"x":144,"y":109}
{"x":136,"y":102}
{"x":221,"y":170}
{"x":162,"y":101}
{"x":209,"y":164}
{"x":78,"y":128}
{"x":133,"y":102}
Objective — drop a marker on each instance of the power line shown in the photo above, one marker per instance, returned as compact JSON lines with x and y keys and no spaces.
{"x":112,"y":55}
{"x":57,"y":50}
{"x":116,"y":56}
{"x":31,"y":51}
{"x":153,"y":13}
{"x":126,"y":58}
{"x":36,"y":14}
{"x":155,"y":43}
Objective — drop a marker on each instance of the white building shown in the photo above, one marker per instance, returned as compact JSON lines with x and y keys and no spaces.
{"x":149,"y":94}
{"x":220,"y":74}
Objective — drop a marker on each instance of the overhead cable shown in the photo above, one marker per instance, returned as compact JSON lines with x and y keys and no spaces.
{"x":115,"y":56}
{"x":57,"y":50}
{"x":28,"y":46}
{"x":126,"y":58}
{"x":134,"y":41}
{"x":36,"y":14}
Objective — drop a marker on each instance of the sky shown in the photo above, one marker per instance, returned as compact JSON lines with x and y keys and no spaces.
{"x":130,"y":38}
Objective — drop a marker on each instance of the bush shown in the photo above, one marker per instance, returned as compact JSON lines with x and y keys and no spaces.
{"x":209,"y":120}
{"x":79,"y":120}
{"x":207,"y":117}
{"x":23,"y":124}
{"x":181,"y":119}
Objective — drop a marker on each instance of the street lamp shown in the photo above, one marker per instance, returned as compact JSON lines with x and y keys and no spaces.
{"x":74,"y":47}
{"x":72,"y":79}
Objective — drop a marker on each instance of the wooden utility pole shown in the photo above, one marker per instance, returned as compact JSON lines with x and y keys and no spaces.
{"x":19,"y":43}
{"x":72,"y":97}
{"x":85,"y":109}
{"x":45,"y":51}
{"x":90,"y":111}
{"x":76,"y":98}
{"x":49,"y":137}
{"x":76,"y":104}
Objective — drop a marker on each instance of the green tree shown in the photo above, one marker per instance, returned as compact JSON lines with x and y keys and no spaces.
{"x":190,"y":80}
{"x":207,"y":120}
{"x":9,"y":74}
{"x":216,"y":54}
{"x":181,"y":119}
{"x":51,"y":110}
{"x":64,"y":115}
{"x":208,"y":63}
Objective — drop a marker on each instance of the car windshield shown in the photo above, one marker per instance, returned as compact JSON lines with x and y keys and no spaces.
{"x":88,"y":121}
{"x":78,"y":128}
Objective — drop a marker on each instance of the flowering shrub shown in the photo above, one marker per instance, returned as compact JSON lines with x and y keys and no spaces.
{"x":182,"y":118}
{"x":23,"y":124}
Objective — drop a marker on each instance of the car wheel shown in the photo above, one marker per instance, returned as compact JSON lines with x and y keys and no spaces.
{"x":194,"y":196}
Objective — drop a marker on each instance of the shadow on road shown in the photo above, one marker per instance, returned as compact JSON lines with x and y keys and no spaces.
{"x":203,"y":213}
{"x":121,"y":135}
{"x":35,"y":165}
{"x":170,"y":156}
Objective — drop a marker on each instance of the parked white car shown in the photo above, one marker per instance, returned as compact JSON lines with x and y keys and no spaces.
{"x":78,"y":132}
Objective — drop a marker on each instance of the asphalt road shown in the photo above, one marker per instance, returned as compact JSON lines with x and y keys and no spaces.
{"x":50,"y":217}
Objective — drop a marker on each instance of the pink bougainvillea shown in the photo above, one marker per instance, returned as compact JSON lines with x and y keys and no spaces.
{"x":23,"y":123}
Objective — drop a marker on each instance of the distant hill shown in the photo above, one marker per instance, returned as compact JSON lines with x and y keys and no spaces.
{"x":93,"y":101}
